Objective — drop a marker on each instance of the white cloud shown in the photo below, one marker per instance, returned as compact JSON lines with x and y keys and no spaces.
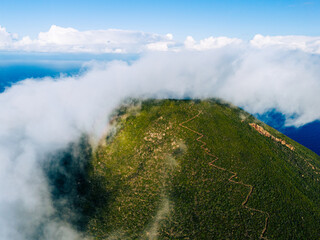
{"x":6,"y":38}
{"x":303,"y":43}
{"x":59,"y":39}
{"x":169,"y":36}
{"x":70,"y":40}
{"x":160,"y":46}
{"x":210,"y":43}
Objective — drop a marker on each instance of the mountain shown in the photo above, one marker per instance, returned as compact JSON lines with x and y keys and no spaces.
{"x":197,"y":169}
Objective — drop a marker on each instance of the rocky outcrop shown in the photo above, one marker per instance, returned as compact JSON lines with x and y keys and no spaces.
{"x":262,"y":131}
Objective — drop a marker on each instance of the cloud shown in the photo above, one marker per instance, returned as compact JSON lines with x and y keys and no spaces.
{"x":6,"y":38}
{"x":159,"y":46}
{"x":210,"y":43}
{"x":40,"y":117}
{"x":302,"y":43}
{"x":69,"y":40}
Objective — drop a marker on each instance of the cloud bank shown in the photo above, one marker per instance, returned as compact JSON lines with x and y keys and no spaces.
{"x":210,"y":43}
{"x":39,"y":117}
{"x":302,"y":43}
{"x":70,"y":40}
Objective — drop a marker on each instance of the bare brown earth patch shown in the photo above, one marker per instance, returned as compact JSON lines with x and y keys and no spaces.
{"x":262,"y":131}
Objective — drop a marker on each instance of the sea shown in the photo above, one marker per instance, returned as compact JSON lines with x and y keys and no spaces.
{"x":307,"y":135}
{"x":15,"y":67}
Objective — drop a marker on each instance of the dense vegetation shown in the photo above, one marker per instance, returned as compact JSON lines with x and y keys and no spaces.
{"x":156,"y":181}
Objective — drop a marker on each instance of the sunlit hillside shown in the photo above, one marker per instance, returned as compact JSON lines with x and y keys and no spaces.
{"x":194,"y":170}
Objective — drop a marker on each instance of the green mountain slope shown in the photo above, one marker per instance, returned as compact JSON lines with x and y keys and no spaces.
{"x":197,"y":170}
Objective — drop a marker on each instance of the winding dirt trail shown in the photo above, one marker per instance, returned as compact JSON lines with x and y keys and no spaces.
{"x":234,"y":175}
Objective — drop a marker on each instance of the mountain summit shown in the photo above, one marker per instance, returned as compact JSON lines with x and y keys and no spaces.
{"x":199,"y":169}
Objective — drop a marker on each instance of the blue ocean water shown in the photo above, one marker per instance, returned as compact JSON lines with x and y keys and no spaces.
{"x":15,"y":67}
{"x":307,"y":135}
{"x":11,"y":74}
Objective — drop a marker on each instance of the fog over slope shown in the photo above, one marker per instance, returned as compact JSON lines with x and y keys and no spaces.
{"x":41,"y":117}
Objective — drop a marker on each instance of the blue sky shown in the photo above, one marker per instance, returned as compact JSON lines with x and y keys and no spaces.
{"x":232,"y":18}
